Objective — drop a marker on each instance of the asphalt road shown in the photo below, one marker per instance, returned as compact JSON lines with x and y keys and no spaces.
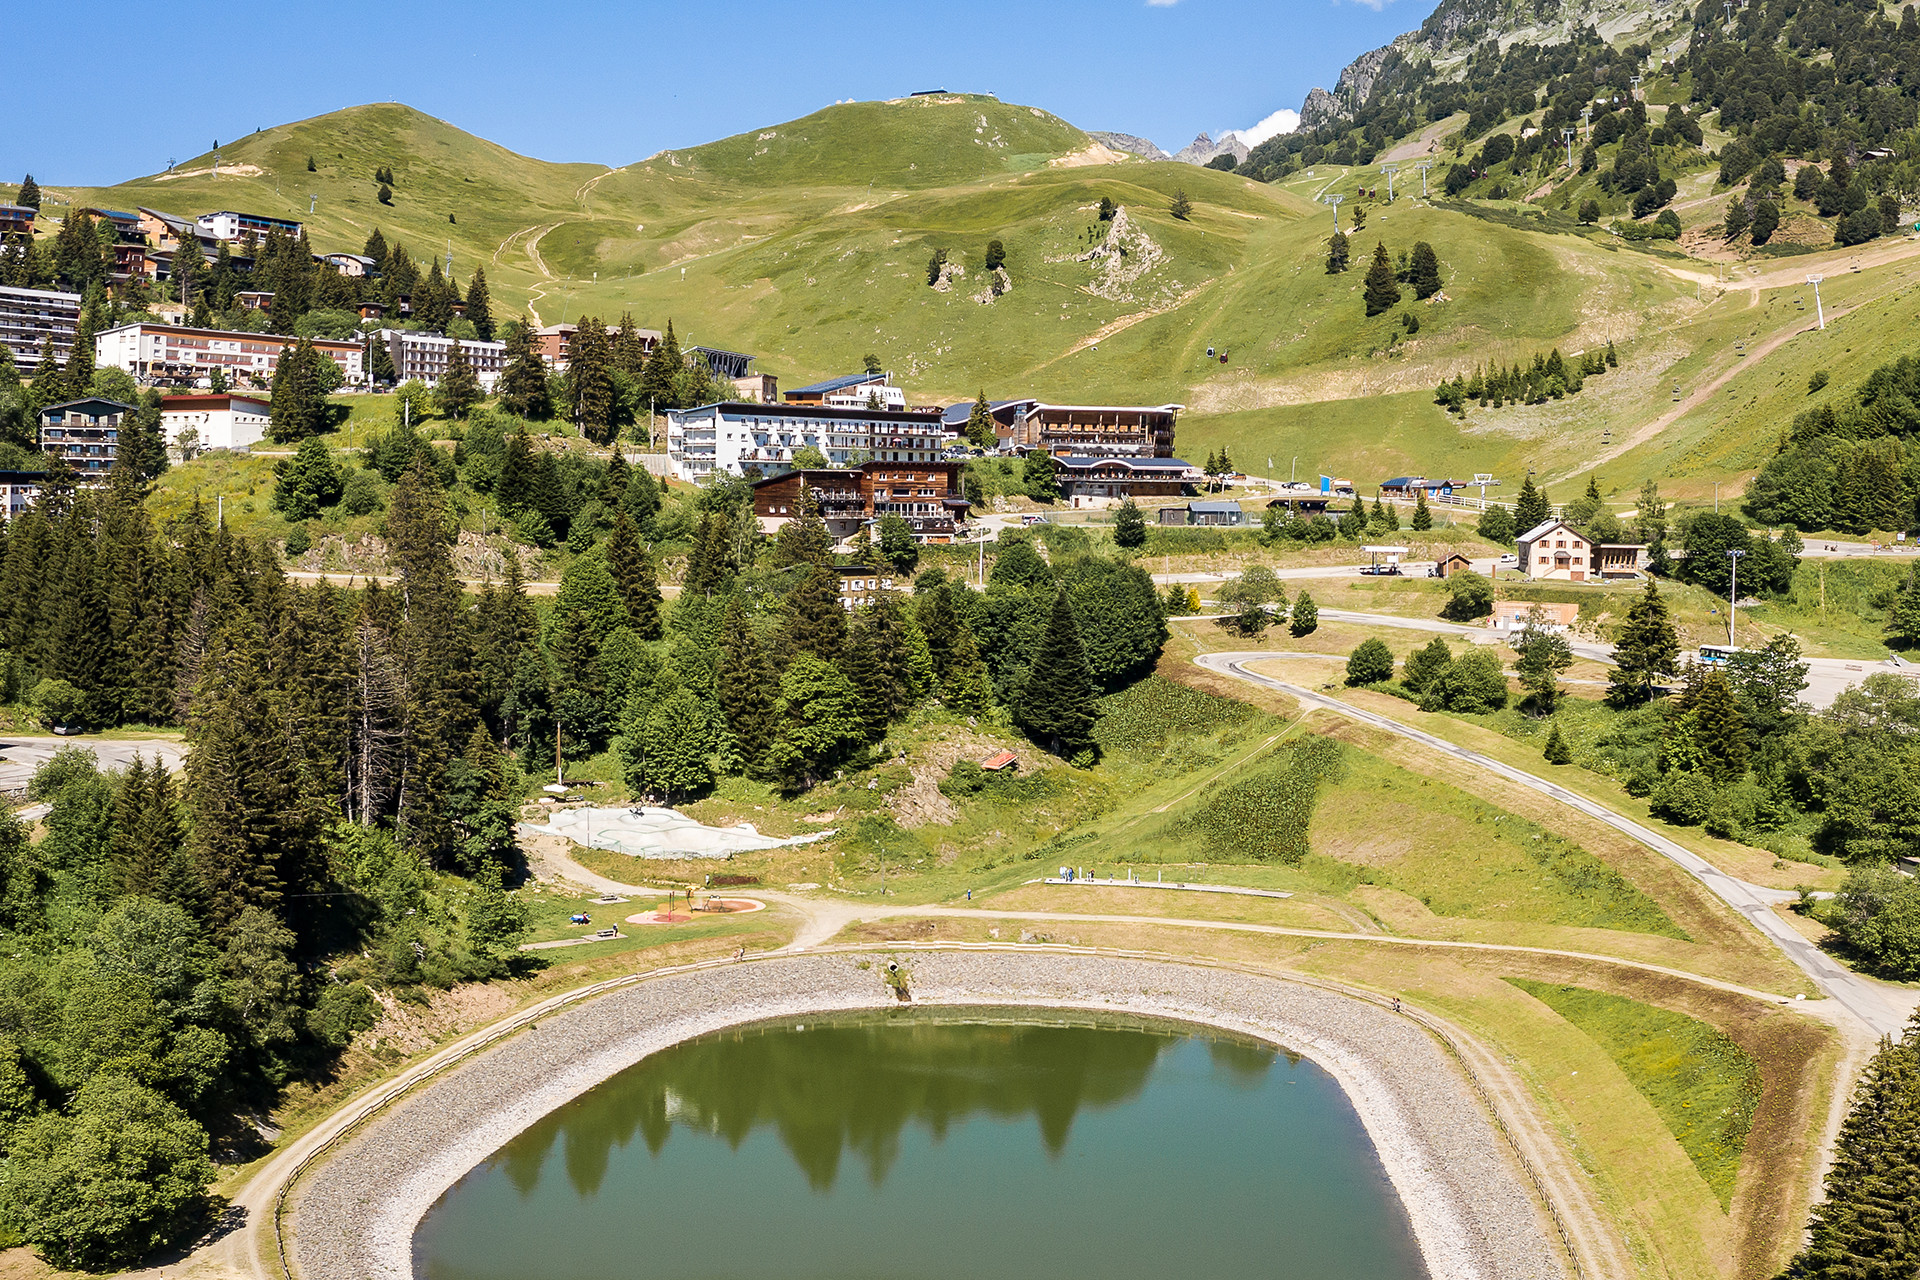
{"x":1875,"y":1005}
{"x":21,"y":756}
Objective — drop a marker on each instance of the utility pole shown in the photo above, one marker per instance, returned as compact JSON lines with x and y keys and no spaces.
{"x":1390,"y":170}
{"x":1566,"y":136}
{"x":1728,"y":6}
{"x":1819,"y":312}
{"x":1733,"y":591}
{"x":1635,"y":86}
{"x":1586,"y":118}
{"x":312,"y":200}
{"x":1423,"y":166}
{"x":1335,"y":202}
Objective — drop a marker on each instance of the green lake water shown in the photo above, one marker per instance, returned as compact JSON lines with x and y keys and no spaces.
{"x":923,"y":1146}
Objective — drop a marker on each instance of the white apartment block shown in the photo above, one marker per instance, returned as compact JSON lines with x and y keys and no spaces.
{"x":423,"y":356}
{"x":174,"y":354}
{"x":228,"y":225}
{"x":734,"y":436}
{"x":218,"y":421}
{"x":28,"y":317}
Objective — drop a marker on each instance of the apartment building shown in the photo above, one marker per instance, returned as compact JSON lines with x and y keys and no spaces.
{"x":424,"y":356}
{"x":228,"y":225}
{"x":853,"y":391}
{"x":927,"y":495}
{"x":554,"y":343}
{"x":28,"y":317}
{"x":17,"y":219}
{"x":85,"y":434}
{"x":220,"y":420}
{"x":1105,"y":431}
{"x":174,"y":355}
{"x":738,"y":436}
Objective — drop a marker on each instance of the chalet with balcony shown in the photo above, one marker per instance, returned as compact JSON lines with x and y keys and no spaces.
{"x":927,"y":495}
{"x":85,"y":434}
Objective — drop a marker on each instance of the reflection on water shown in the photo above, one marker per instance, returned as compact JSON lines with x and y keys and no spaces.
{"x":851,"y":1087}
{"x":994,"y":1146}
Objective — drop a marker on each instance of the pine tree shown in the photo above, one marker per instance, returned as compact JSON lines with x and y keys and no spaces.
{"x":459,"y":388}
{"x":1382,"y":291}
{"x":29,"y":196}
{"x":1424,"y":274}
{"x":966,"y":690}
{"x":1557,"y":751}
{"x":1737,"y":219}
{"x":480,"y":305}
{"x":1055,"y":706}
{"x":590,"y":375}
{"x":1304,"y":618}
{"x":290,"y":403}
{"x":1129,"y":526}
{"x":1531,"y":509}
{"x":1422,"y":518}
{"x":1646,"y":650}
{"x":1339,"y":253}
{"x":660,"y":381}
{"x":814,"y":620}
{"x":523,"y":387}
{"x":1720,"y":732}
{"x":980,"y":427}
{"x":633,"y":570}
{"x":1180,"y":206}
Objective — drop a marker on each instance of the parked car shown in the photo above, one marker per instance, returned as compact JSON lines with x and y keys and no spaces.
{"x":1509,"y":558}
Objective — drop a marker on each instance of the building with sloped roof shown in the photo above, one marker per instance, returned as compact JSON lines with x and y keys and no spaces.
{"x":1081,"y":476}
{"x":851,"y":391}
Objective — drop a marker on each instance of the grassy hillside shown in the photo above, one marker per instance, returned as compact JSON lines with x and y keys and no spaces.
{"x":807,"y":243}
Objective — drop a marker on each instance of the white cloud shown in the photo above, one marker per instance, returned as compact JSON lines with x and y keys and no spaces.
{"x":1162,"y":4}
{"x":1375,"y":5}
{"x":1281,"y":121}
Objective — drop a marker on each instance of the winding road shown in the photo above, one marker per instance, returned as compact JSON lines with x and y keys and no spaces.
{"x":1876,"y":1006}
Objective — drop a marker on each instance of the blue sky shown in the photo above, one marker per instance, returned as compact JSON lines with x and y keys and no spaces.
{"x":612,"y":83}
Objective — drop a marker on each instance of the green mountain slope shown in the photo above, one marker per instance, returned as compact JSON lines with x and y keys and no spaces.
{"x":808,"y":244}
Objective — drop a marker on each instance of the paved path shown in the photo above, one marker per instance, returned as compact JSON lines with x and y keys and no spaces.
{"x":20,"y":755}
{"x":1883,"y":1009}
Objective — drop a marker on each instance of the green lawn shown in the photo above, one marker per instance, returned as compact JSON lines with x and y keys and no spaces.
{"x":1703,"y":1085}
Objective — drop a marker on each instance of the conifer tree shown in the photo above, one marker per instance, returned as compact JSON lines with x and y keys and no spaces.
{"x":29,"y":196}
{"x":590,"y":374}
{"x":747,"y":687}
{"x":1339,"y":253}
{"x":479,"y":311}
{"x":629,"y":348}
{"x":1129,"y":526}
{"x":1720,"y":732}
{"x":1382,"y":291}
{"x":1646,"y":650}
{"x":1180,"y":206}
{"x":379,"y":361}
{"x":48,"y":385}
{"x":980,"y":429}
{"x":1531,"y":509}
{"x":861,"y":665}
{"x":1422,"y":517}
{"x":1304,"y":618}
{"x":966,"y":688}
{"x":1557,"y":751}
{"x":660,"y":381}
{"x":298,"y":406}
{"x":459,"y":388}
{"x":1424,"y":274}
{"x":633,"y":570}
{"x":814,"y":621}
{"x":523,"y":387}
{"x":1055,"y":705}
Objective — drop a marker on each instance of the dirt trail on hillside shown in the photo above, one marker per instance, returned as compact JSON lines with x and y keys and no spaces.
{"x":1702,"y":395}
{"x":1124,"y":323}
{"x":1833,"y":262}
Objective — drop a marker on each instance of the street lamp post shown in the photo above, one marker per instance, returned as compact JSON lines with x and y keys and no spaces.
{"x":1733,"y":591}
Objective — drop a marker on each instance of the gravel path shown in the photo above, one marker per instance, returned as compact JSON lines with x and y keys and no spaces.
{"x":353,"y":1218}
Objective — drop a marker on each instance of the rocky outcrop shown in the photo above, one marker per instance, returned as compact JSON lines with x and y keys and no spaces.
{"x":1319,"y":108}
{"x":1204,"y":148}
{"x":998,"y":282}
{"x":1128,"y":143}
{"x":950,"y":270}
{"x":1127,"y":254}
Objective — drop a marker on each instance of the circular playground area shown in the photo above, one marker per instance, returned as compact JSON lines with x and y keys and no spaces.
{"x":679,"y":913}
